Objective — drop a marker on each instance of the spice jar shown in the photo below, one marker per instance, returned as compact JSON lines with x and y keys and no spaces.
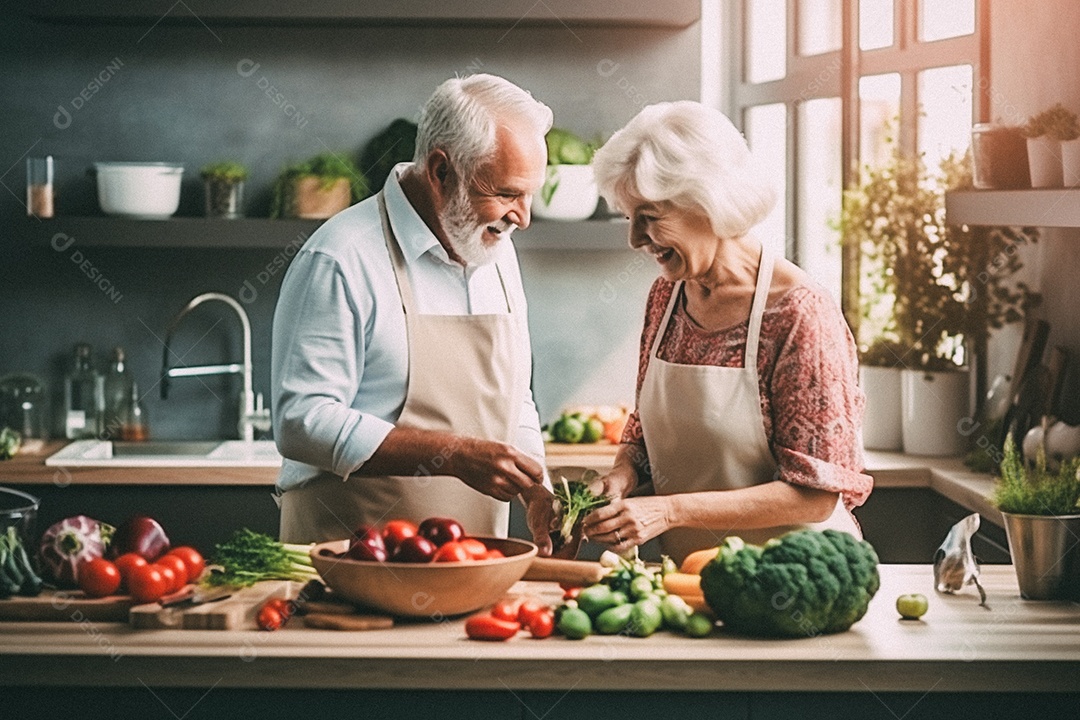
{"x":39,"y":187}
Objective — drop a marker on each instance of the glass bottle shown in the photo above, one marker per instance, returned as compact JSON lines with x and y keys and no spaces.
{"x":118,"y":389}
{"x":84,"y":396}
{"x":133,"y":419}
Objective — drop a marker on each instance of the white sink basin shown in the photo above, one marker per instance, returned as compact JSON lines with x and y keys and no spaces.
{"x":212,"y":453}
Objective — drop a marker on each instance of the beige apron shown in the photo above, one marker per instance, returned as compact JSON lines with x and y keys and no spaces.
{"x":703,"y":430}
{"x":466,"y":376}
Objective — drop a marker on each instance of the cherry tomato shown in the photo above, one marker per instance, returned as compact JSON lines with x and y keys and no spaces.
{"x":179,"y":568}
{"x":528,"y":610}
{"x":415,"y":549}
{"x":452,"y":551}
{"x":192,"y":559}
{"x":477,"y":550}
{"x":486,"y":627}
{"x":571,"y":593}
{"x":394,"y":531}
{"x":147,"y":583}
{"x":284,"y":607}
{"x":172,"y":581}
{"x":269,"y":618}
{"x":98,"y":577}
{"x":126,"y":563}
{"x":506,"y":610}
{"x":441,"y":530}
{"x":542,"y":624}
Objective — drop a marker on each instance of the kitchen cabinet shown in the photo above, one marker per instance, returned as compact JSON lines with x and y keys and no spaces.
{"x":1038,"y":208}
{"x":260,"y":233}
{"x":631,"y":13}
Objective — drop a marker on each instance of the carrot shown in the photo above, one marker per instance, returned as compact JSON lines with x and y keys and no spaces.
{"x":696,"y":561}
{"x":697,"y":602}
{"x":678,"y":583}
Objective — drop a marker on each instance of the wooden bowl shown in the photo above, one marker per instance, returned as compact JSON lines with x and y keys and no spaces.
{"x":431,"y":590}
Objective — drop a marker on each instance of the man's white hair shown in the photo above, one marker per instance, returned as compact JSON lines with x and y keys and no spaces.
{"x":462,"y":115}
{"x":690,"y":155}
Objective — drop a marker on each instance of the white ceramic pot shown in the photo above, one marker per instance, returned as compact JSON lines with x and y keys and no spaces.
{"x":148,"y":191}
{"x":573,"y":193}
{"x":1044,"y":161}
{"x":881,"y":421}
{"x":934,"y":406}
{"x":1070,"y":162}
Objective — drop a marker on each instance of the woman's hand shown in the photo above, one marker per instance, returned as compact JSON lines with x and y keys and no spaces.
{"x":616,"y":484}
{"x":633,"y":521}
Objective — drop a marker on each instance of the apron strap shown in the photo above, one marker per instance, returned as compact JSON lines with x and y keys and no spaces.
{"x":397,"y":258}
{"x":757,"y":310}
{"x":662,"y":328}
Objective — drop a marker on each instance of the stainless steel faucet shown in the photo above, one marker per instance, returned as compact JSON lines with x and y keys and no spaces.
{"x":252,"y":413}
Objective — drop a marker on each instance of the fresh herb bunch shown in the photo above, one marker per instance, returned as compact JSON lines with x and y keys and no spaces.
{"x":249,"y":557}
{"x":576,"y":501}
{"x":225,"y":171}
{"x":1037,"y":491}
{"x":1057,"y":122}
{"x":329,"y":167}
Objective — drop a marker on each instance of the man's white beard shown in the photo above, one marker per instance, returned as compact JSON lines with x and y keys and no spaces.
{"x":466,"y":232}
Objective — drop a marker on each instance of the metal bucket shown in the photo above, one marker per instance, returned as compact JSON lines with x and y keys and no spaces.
{"x":1046,"y":554}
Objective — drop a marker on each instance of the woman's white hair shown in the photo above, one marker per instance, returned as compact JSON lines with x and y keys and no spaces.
{"x":461,"y":117}
{"x":690,"y":155}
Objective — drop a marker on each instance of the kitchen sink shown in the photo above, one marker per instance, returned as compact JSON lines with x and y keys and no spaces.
{"x":179,"y":453}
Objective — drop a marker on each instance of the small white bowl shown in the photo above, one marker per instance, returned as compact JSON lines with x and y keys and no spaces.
{"x":148,"y":191}
{"x":575,"y":196}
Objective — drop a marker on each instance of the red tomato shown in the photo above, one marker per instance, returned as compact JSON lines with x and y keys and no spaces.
{"x":284,"y":607}
{"x":98,"y":577}
{"x":147,"y":583}
{"x":477,"y":550}
{"x":172,"y":580}
{"x":192,"y":559}
{"x":452,"y":552}
{"x":179,"y":568}
{"x":542,"y":624}
{"x":571,"y":593}
{"x":506,"y":610}
{"x":394,"y":531}
{"x":269,"y":618}
{"x":528,"y":610}
{"x":493,"y":554}
{"x":126,"y":563}
{"x":486,"y":627}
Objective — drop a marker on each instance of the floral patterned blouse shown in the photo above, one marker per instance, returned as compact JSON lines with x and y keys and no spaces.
{"x":808,"y":376}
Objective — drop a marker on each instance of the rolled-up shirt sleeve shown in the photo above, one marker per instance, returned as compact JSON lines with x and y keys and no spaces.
{"x":817,"y":405}
{"x":316,"y":366}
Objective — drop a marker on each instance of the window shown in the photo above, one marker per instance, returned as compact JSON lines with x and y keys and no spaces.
{"x":818,"y":81}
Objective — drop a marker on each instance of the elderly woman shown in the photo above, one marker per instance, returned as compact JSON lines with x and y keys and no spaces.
{"x":748,"y":409}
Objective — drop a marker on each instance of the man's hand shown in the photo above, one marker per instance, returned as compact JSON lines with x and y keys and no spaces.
{"x":493,"y":468}
{"x":540,"y":516}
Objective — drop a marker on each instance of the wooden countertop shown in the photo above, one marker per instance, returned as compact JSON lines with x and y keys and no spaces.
{"x":1016,"y":646}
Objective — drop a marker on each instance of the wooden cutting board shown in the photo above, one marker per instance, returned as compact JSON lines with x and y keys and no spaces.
{"x":66,"y":606}
{"x":234,"y":613}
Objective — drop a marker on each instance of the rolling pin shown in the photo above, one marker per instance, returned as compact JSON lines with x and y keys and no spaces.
{"x":571,"y":572}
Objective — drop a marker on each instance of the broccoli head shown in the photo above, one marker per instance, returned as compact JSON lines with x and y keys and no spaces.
{"x":801,"y":584}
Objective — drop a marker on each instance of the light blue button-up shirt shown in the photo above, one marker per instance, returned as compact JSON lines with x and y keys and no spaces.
{"x":340,"y":354}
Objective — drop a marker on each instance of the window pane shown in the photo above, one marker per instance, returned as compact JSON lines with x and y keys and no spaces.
{"x":940,"y":19}
{"x":766,"y":33}
{"x":766,"y":133}
{"x":879,"y":100}
{"x":875,"y":24}
{"x":944,"y":96}
{"x":819,"y":192}
{"x":819,"y":26}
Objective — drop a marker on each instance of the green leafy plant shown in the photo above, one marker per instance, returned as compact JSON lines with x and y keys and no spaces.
{"x":397,"y":143}
{"x":1057,"y":122}
{"x":248,"y":557}
{"x":930,"y":292}
{"x":576,"y":501}
{"x":1034,"y":489}
{"x":328,"y":168}
{"x":225,"y":171}
{"x":564,"y":148}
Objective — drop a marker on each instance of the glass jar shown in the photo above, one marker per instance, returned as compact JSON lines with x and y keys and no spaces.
{"x":23,"y":405}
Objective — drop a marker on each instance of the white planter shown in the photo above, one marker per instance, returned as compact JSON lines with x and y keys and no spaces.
{"x":1070,"y":162}
{"x":881,"y":421}
{"x":1044,"y":161}
{"x":574,"y":197}
{"x":934,"y":404}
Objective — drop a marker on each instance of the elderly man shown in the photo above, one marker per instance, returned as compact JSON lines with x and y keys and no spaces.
{"x":401,"y":358}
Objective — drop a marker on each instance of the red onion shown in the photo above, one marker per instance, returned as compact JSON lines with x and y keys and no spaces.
{"x":142,"y":535}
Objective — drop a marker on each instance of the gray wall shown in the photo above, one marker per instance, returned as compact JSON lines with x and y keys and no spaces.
{"x":175,"y":93}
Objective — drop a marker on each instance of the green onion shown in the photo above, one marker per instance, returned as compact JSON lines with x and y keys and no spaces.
{"x":249,"y":557}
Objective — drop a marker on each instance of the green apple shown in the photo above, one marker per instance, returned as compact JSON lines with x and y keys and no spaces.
{"x":912,"y":606}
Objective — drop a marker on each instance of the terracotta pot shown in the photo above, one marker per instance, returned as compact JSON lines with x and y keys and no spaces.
{"x":310,"y":200}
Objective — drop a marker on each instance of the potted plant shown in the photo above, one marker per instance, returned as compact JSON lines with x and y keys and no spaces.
{"x":318,"y":187}
{"x":1045,"y":132}
{"x":943,"y":289}
{"x":880,"y":366}
{"x":569,"y":191}
{"x":224,"y":185}
{"x":1042,"y":521}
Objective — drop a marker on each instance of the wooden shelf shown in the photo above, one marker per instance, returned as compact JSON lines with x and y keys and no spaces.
{"x":550,"y":13}
{"x":1039,"y":208}
{"x":261,"y":233}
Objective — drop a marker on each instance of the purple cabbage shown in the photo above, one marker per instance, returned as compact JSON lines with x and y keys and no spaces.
{"x":70,"y":542}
